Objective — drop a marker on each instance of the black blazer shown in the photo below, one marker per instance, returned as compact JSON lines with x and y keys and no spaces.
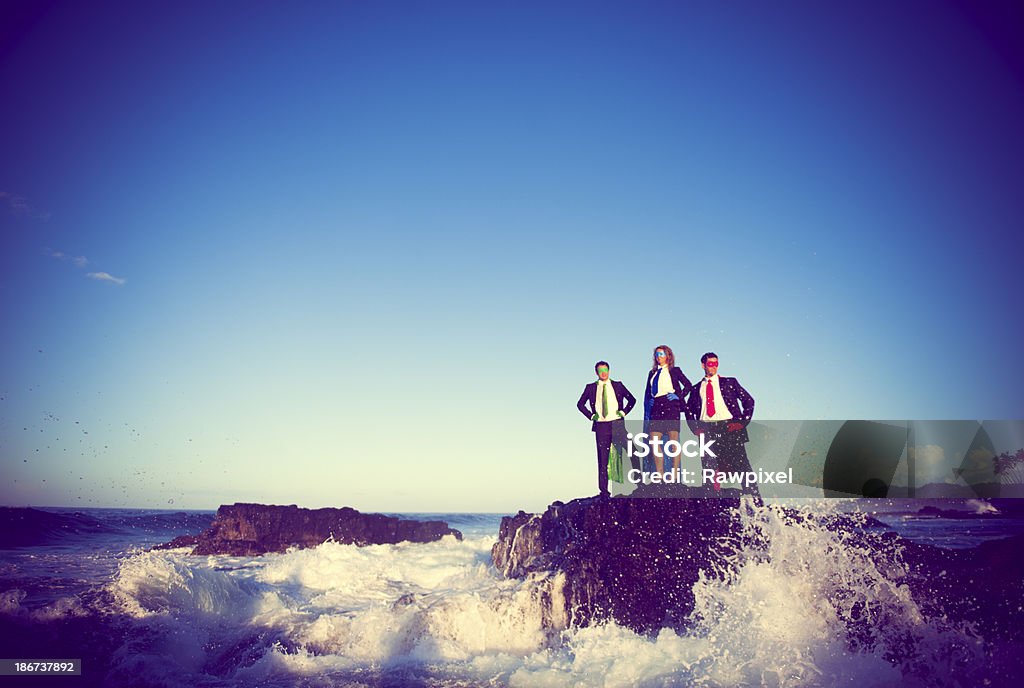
{"x":680,"y":384}
{"x":622,"y":395}
{"x":737,"y":400}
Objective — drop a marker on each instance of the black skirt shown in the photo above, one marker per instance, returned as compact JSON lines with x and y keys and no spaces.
{"x":665,"y":415}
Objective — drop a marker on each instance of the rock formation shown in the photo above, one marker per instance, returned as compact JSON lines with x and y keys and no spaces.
{"x":631,"y":560}
{"x":635,"y":561}
{"x":254,"y":529}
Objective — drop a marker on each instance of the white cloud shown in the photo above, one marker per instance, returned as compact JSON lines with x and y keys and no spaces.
{"x":15,"y":202}
{"x":928,"y":455}
{"x":20,"y":206}
{"x":929,"y":463}
{"x":80,"y":261}
{"x":105,"y":277}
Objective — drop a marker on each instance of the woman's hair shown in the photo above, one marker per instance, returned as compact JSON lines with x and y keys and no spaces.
{"x":670,"y":358}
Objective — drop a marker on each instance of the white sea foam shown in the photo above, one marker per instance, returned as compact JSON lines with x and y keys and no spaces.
{"x":805,"y":606}
{"x":335,"y":606}
{"x":981,"y":507}
{"x":820,"y":606}
{"x":68,"y":606}
{"x":10,"y":601}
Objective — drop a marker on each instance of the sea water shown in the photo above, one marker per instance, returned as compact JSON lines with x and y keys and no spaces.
{"x":810,"y":609}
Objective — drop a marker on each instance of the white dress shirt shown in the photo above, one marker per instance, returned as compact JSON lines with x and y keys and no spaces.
{"x":721,"y":410}
{"x":662,"y":382}
{"x":613,"y":403}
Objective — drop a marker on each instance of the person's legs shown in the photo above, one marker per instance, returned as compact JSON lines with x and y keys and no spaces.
{"x":603,"y":438}
{"x":659,"y":459}
{"x":708,"y":461}
{"x":732,"y":456}
{"x":673,"y":436}
{"x":659,"y":414}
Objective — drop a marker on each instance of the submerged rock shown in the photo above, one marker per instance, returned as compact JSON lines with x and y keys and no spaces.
{"x":254,"y":529}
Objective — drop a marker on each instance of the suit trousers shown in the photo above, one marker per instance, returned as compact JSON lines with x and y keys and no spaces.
{"x":603,"y":435}
{"x":731,"y":451}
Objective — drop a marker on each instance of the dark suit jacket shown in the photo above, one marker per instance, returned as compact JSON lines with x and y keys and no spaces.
{"x":622,"y":395}
{"x":737,"y":400}
{"x":680,"y":384}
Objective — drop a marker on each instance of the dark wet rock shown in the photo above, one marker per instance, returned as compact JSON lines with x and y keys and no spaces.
{"x":254,"y":529}
{"x":958,"y":513}
{"x":180,"y":541}
{"x":635,"y":561}
{"x":631,"y":560}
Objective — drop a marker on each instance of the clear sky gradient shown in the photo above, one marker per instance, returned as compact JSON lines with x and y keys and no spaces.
{"x":367,"y":254}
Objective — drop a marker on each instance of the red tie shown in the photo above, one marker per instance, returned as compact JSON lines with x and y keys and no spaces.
{"x":711,"y":399}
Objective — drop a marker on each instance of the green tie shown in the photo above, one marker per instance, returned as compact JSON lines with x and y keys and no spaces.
{"x":604,"y":402}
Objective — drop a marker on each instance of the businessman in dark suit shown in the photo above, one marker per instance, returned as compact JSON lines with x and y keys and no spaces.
{"x":605,"y":402}
{"x":720,"y":409}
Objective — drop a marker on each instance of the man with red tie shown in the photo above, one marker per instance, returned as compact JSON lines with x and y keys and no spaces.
{"x":720,"y":409}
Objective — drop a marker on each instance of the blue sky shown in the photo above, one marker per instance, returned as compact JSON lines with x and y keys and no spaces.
{"x":367,"y":253}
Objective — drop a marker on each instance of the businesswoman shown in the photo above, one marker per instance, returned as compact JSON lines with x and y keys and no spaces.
{"x":664,"y":399}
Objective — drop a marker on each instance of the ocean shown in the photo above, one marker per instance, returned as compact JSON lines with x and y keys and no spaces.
{"x":439,"y":614}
